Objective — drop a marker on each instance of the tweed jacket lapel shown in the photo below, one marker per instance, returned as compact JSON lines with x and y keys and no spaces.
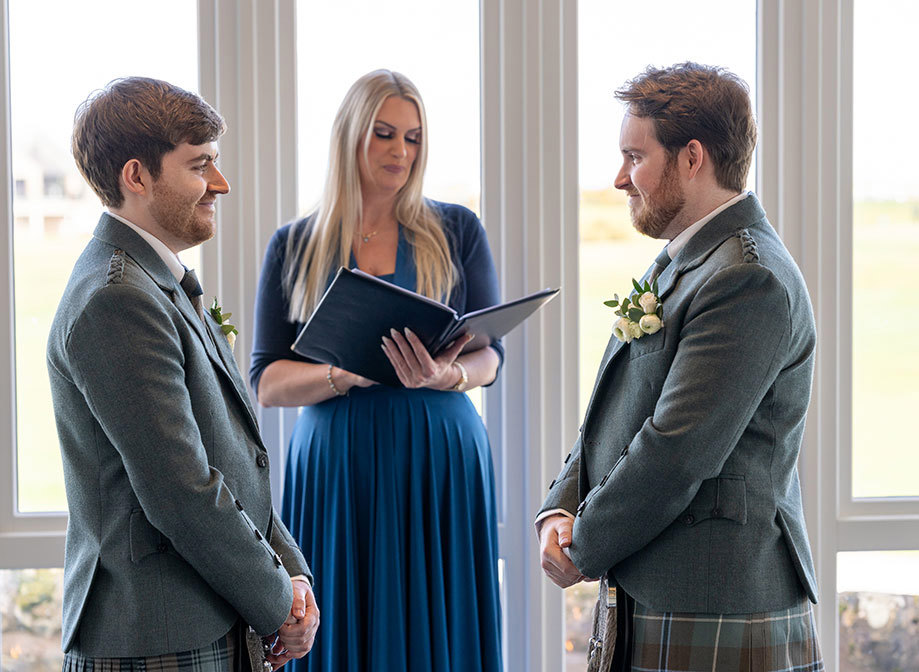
{"x":693,"y":255}
{"x":112,"y":232}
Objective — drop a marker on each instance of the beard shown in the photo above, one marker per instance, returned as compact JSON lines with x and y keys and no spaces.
{"x":178,"y":215}
{"x":659,"y":208}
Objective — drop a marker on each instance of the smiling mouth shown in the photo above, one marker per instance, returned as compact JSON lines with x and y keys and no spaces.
{"x":392,"y":168}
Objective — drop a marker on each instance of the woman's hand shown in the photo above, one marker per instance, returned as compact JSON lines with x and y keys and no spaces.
{"x":414,"y":364}
{"x":345,"y":380}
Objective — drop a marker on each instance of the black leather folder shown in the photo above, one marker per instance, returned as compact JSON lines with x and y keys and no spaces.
{"x":358,"y":309}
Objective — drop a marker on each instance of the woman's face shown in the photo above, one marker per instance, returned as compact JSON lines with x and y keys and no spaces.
{"x":393,"y":146}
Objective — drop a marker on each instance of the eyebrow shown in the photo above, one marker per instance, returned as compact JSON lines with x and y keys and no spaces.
{"x":204,"y":157}
{"x":630,"y":150}
{"x":388,"y":125}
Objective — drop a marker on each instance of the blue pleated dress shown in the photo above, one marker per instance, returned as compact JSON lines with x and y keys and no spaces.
{"x":390,"y":494}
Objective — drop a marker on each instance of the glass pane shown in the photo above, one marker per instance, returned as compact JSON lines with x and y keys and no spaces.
{"x":30,"y":614}
{"x":885,"y":308}
{"x":54,"y":210}
{"x":434,"y":43}
{"x":878,"y":597}
{"x":616,"y":42}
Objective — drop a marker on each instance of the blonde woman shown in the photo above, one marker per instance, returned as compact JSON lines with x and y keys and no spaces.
{"x":390,"y":492}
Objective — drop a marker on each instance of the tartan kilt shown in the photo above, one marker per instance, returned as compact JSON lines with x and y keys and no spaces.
{"x":777,"y":641}
{"x":220,"y":656}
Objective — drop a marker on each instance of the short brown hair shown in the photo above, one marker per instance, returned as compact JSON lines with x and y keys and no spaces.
{"x":689,"y":101}
{"x":136,"y":118}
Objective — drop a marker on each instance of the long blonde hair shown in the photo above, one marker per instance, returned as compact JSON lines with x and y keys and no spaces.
{"x":322,"y":243}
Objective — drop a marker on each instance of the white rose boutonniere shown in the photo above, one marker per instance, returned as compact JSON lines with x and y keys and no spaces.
{"x":640,"y":313}
{"x":223,"y":319}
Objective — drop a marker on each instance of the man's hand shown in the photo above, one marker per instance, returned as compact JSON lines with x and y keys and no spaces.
{"x":296,"y":636}
{"x":554,"y":536}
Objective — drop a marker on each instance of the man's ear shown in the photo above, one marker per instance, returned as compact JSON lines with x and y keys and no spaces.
{"x":134,"y":178}
{"x":696,"y":156}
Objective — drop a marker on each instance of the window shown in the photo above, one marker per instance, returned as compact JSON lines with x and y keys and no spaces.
{"x":878,"y":604}
{"x":611,"y":251}
{"x":30,"y":615}
{"x":885,"y":240}
{"x":434,"y":44}
{"x":54,"y":199}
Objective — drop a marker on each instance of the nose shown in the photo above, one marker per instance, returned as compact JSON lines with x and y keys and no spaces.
{"x":217,"y":182}
{"x":622,"y":178}
{"x":398,"y":148}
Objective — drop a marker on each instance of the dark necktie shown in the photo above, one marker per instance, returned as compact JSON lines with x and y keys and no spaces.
{"x":194,"y":292}
{"x":660,"y":263}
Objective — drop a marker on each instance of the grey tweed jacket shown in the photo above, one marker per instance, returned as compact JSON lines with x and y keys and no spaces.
{"x":684,"y":479}
{"x":172,"y":536}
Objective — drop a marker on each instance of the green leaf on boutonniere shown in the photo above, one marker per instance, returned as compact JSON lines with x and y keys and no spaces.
{"x":611,"y":303}
{"x":223,"y":319}
{"x":654,"y":289}
{"x":637,"y":287}
{"x":635,"y":314}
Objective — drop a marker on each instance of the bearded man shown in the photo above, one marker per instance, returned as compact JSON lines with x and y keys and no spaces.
{"x":175,"y":558}
{"x":682,"y":490}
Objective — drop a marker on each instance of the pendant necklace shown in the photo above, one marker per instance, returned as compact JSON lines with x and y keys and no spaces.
{"x":366,"y":237}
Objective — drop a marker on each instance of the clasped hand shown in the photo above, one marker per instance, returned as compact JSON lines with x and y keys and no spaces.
{"x":414,"y":364}
{"x":296,"y":635}
{"x":554,"y":538}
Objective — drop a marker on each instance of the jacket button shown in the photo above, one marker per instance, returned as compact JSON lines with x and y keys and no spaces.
{"x":262,"y":460}
{"x":161,"y":548}
{"x":689,"y":519}
{"x":717,"y":513}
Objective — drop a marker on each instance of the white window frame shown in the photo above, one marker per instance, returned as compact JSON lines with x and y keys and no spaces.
{"x":247,"y":66}
{"x":806,"y":81}
{"x":26,"y":539}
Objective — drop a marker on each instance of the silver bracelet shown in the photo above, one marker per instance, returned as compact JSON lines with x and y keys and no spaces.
{"x":328,"y":377}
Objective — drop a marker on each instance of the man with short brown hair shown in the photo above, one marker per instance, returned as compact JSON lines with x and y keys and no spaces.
{"x":175,"y":558}
{"x":682,"y":489}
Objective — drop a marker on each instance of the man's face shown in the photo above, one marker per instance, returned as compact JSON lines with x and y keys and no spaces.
{"x":185,"y":194}
{"x":649,"y":176}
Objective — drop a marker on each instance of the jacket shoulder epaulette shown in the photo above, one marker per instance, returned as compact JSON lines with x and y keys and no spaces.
{"x":748,"y":246}
{"x":115,"y":268}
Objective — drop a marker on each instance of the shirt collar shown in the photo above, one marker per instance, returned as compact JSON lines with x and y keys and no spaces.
{"x":170,"y":258}
{"x":678,"y":243}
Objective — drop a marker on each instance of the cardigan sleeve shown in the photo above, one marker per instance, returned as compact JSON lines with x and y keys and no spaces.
{"x":476,"y":267}
{"x":274,"y":332}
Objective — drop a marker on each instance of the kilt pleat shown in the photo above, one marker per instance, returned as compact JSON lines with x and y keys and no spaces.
{"x":220,"y":656}
{"x":777,"y":641}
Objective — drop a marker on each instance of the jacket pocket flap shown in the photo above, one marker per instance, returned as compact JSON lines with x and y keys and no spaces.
{"x":145,"y":539}
{"x":724,"y":497}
